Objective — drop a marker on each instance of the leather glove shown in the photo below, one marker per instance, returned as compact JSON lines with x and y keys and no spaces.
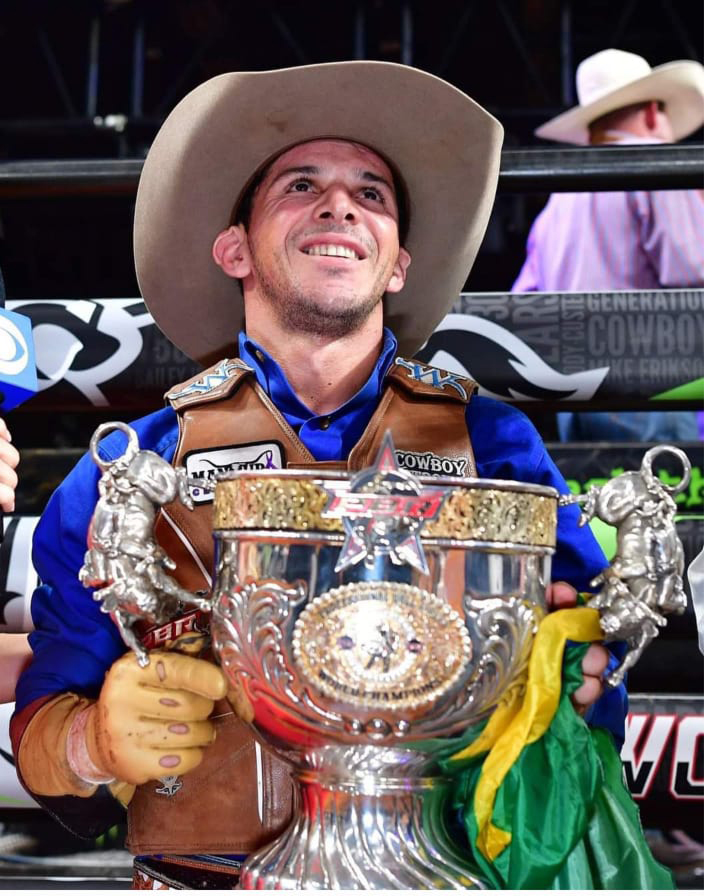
{"x":148,"y":722}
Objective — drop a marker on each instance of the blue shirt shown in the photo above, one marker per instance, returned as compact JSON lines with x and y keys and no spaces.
{"x":74,"y":643}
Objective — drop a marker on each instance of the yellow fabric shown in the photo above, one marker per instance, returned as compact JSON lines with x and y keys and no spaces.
{"x":41,"y":757}
{"x":517,"y":722}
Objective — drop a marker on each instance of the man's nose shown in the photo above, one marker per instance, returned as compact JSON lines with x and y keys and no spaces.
{"x":336,"y":204}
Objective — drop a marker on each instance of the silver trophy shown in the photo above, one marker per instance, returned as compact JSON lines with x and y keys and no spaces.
{"x":363,"y":619}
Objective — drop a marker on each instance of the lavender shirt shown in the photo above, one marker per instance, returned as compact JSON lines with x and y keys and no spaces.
{"x":609,"y":241}
{"x":635,"y":240}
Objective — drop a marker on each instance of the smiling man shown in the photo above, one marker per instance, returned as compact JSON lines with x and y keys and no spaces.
{"x":318,"y":253}
{"x":318,"y":213}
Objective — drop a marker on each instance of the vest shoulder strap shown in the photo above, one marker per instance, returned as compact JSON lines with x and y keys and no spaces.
{"x":218,"y":381}
{"x":423,"y":381}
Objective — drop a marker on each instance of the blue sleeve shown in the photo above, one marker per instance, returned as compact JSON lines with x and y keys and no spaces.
{"x":507,"y":446}
{"x":73,"y":642}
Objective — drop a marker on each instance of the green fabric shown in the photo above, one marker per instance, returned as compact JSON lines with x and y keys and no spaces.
{"x":573,"y":823}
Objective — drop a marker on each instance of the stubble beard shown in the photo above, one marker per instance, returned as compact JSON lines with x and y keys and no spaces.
{"x":304,"y":311}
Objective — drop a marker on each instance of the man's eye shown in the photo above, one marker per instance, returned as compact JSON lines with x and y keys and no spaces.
{"x":300,"y":186}
{"x":371,"y":193}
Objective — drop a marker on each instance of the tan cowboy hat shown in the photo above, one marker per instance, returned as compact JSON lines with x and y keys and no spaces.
{"x":445,"y":146}
{"x":612,"y":79}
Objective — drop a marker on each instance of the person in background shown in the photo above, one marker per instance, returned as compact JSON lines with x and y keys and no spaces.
{"x":15,"y":652}
{"x":629,"y":240}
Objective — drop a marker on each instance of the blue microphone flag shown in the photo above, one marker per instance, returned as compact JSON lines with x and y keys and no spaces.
{"x":18,"y":370}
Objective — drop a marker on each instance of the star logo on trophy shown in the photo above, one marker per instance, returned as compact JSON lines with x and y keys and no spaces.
{"x":383,"y":513}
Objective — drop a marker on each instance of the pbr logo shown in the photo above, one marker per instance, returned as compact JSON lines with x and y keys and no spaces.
{"x":383,"y":513}
{"x":205,"y":467}
{"x":432,"y":464}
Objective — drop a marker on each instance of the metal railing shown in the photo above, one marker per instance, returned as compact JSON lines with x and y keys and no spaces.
{"x":553,"y":169}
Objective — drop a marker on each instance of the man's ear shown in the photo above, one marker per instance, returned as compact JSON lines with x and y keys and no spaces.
{"x":651,"y":115}
{"x":398,"y":277}
{"x":231,"y":252}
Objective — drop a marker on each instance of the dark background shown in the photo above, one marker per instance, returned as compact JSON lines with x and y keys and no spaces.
{"x":94,"y":79}
{"x":86,"y":79}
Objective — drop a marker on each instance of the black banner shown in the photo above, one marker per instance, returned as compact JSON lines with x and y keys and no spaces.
{"x":663,"y":758}
{"x":606,"y":350}
{"x":602,"y":350}
{"x":18,"y":578}
{"x":100,"y":354}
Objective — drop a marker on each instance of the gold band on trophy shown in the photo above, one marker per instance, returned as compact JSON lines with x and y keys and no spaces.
{"x":467,"y":513}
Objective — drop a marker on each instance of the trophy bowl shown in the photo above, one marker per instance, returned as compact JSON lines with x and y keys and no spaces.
{"x":363,"y":619}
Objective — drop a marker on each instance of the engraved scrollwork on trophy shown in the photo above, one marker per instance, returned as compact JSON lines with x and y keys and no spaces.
{"x":467,"y":512}
{"x":250,"y":630}
{"x":249,"y":623}
{"x":494,"y":515}
{"x":275,"y":503}
{"x":503,"y":630}
{"x":505,"y":627}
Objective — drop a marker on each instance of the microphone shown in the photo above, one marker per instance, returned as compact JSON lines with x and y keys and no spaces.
{"x":18,"y":370}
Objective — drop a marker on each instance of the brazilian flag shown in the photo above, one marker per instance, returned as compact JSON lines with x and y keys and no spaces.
{"x":541,"y":794}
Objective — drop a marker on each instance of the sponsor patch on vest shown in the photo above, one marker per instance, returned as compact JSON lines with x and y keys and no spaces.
{"x":207,"y":465}
{"x":212,"y":380}
{"x":433,"y":464}
{"x":431,"y":376}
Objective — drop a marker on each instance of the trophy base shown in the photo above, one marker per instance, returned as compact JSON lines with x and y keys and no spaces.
{"x":357,"y":834}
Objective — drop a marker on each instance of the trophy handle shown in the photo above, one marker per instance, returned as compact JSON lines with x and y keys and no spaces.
{"x":644,"y":583}
{"x":124,"y":562}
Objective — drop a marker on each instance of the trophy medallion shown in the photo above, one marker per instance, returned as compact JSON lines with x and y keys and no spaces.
{"x":380,"y":645}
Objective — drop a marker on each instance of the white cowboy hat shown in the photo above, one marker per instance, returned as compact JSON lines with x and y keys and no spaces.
{"x":445,"y":147}
{"x":612,"y":79}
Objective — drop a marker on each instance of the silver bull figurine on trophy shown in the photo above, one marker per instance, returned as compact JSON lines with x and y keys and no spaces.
{"x":363,"y":618}
{"x":644,"y":581}
{"x":123,"y":561}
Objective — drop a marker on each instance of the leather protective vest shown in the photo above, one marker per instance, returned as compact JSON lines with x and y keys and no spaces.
{"x":240,"y":796}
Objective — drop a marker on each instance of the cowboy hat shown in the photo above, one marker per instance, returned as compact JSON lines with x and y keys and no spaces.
{"x":445,"y":146}
{"x":612,"y":79}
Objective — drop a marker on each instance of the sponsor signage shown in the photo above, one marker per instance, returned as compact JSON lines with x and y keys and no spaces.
{"x":619,"y":350}
{"x":18,"y":578}
{"x":205,"y":467}
{"x":663,"y":758}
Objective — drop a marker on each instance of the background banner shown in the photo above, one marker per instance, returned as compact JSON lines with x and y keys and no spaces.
{"x":608,"y":350}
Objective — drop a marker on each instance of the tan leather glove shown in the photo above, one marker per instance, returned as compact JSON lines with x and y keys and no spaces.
{"x":147,"y":723}
{"x":153,"y":721}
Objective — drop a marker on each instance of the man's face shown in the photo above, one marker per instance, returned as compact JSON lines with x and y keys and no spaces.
{"x":323,"y":237}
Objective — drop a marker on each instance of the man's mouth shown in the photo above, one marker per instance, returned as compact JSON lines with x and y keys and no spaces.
{"x":331,"y":250}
